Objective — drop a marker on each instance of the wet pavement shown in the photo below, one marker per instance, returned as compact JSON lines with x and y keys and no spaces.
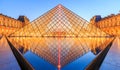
{"x":7,"y":59}
{"x":112,"y":59}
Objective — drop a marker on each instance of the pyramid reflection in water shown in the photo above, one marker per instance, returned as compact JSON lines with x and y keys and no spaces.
{"x":59,"y":36}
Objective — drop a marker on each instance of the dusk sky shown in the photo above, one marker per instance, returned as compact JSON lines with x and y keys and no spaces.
{"x":35,"y":8}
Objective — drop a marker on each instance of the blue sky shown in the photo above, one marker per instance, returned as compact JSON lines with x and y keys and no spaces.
{"x":34,"y":8}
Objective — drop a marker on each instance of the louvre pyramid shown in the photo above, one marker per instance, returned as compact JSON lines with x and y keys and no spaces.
{"x":59,"y":21}
{"x":47,"y":36}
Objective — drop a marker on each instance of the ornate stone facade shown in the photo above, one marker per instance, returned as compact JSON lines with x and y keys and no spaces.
{"x":109,"y":24}
{"x":9,"y":25}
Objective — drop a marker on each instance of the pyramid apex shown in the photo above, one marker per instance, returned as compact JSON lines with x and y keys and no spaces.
{"x":59,"y":5}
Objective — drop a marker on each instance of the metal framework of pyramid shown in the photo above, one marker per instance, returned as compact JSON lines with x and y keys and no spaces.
{"x":59,"y":20}
{"x":59,"y":36}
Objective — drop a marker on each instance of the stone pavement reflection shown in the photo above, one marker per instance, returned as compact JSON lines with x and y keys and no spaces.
{"x":112,"y":60}
{"x":7,"y":58}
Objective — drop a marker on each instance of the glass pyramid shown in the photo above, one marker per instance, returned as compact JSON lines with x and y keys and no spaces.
{"x":59,"y":20}
{"x":59,"y":36}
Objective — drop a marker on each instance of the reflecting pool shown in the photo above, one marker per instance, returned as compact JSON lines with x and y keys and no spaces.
{"x":68,"y":53}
